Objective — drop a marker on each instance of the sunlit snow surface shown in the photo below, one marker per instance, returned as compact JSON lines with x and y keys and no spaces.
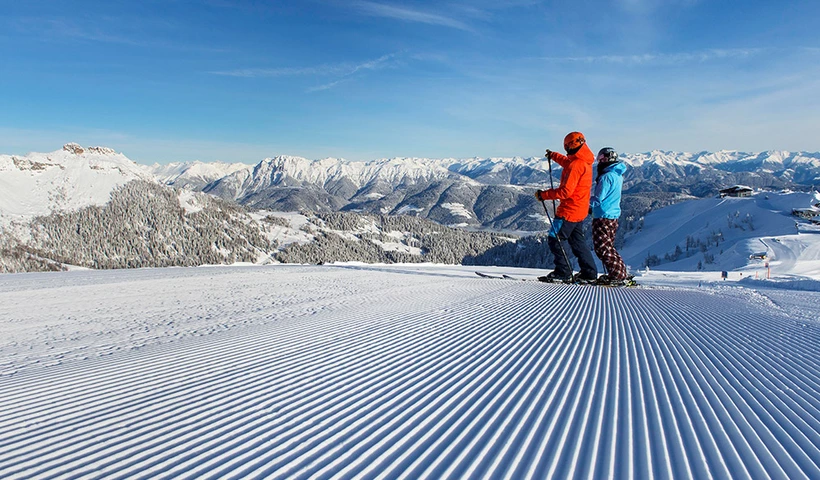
{"x":354,"y":371}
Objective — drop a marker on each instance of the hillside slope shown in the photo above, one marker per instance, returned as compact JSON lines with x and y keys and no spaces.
{"x":722,"y":233}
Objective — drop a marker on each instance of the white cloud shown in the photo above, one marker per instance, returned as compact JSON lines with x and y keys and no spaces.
{"x":645,"y":7}
{"x":664,"y":58}
{"x":410,"y":15}
{"x":108,"y":30}
{"x":281,"y":71}
{"x":326,"y":86}
{"x":341,"y":69}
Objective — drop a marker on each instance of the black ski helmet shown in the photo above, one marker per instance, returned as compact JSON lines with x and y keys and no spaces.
{"x":607,"y":155}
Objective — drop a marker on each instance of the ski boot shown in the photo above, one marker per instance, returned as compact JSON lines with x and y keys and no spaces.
{"x":552,"y":277}
{"x":579,"y":280}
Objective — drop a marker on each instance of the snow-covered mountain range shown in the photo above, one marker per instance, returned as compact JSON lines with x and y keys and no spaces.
{"x":797,"y":167}
{"x":482,"y":192}
{"x":493,"y":193}
{"x":488,"y":192}
{"x":95,"y":208}
{"x":194,"y":175}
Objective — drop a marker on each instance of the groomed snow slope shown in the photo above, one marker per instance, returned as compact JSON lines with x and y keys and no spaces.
{"x":398,"y":372}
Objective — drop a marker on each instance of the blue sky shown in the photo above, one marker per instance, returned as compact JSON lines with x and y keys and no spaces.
{"x":177,"y":80}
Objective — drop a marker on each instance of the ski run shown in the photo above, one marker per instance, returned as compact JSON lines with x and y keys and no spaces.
{"x":356,"y":371}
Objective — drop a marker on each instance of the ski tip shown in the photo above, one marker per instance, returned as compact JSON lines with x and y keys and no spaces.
{"x":486,"y":275}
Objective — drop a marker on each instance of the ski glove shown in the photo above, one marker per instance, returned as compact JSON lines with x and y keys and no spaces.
{"x":549,"y":152}
{"x":541,"y":195}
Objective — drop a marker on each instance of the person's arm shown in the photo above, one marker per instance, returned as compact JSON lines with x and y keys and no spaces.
{"x":567,"y":187}
{"x":603,"y":189}
{"x":559,"y":159}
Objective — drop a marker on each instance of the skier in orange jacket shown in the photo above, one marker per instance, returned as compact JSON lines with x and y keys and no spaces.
{"x":567,"y":231}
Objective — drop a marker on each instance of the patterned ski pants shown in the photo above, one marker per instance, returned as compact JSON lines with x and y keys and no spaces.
{"x":603,"y":236}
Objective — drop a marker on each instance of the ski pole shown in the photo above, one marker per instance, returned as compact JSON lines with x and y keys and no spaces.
{"x":555,"y":209}
{"x":549,"y":164}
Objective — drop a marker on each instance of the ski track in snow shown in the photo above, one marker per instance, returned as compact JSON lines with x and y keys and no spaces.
{"x":344,"y":372}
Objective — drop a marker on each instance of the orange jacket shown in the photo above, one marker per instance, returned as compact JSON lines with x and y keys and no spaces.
{"x":576,"y":184}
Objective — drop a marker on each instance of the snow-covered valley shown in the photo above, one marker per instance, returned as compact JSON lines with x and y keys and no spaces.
{"x":403,"y":371}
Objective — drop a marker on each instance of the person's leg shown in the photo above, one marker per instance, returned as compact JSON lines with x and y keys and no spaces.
{"x":599,"y":238}
{"x":557,"y":237}
{"x":578,"y":243}
{"x":604,"y":231}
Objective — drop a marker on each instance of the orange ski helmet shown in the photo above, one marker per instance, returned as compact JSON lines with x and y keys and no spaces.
{"x":573,"y":142}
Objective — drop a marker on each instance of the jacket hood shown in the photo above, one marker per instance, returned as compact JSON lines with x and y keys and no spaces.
{"x":584,"y":154}
{"x":618,"y":168}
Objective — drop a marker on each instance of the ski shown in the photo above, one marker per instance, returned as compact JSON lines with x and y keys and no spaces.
{"x":503,"y":277}
{"x":628,"y":284}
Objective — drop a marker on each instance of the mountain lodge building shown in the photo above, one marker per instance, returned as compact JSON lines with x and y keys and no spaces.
{"x":736,"y":191}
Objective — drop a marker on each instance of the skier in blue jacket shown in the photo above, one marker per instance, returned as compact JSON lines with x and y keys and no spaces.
{"x":606,"y":209}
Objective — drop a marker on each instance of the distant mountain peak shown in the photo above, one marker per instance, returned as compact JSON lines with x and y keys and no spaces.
{"x":74,"y":148}
{"x":77,"y":149}
{"x":67,"y":179}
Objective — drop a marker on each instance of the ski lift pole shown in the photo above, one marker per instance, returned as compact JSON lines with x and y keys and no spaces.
{"x":552,"y":224}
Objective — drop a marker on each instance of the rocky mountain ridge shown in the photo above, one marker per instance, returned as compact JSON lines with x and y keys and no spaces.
{"x":492,"y":193}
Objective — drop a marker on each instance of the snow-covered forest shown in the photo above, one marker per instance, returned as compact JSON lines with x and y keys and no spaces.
{"x":143,"y":225}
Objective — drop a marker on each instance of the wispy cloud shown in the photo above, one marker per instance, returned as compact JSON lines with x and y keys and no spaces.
{"x":342,"y":71}
{"x":326,"y":86}
{"x":376,"y":64}
{"x":85,"y":30}
{"x":60,"y":29}
{"x":321,"y":70}
{"x":410,"y":15}
{"x":664,"y":58}
{"x":382,"y":62}
{"x":643,"y":7}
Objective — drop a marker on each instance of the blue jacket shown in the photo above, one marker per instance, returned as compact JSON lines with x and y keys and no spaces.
{"x":606,"y":200}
